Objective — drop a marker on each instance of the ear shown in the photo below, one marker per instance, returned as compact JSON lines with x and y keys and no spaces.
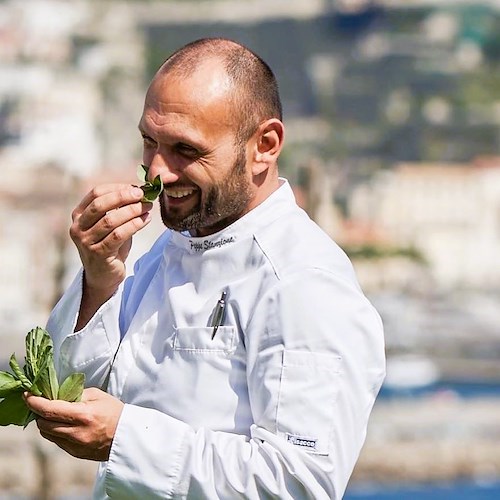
{"x":268,"y":145}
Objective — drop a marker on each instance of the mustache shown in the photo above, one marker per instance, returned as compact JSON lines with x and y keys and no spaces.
{"x":180,"y":185}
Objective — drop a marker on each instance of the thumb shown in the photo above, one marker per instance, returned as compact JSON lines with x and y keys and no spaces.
{"x":57,"y":410}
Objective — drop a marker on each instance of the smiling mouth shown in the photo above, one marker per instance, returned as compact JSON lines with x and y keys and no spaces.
{"x":179,"y":192}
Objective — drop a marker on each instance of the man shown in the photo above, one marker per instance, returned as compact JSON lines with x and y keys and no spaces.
{"x":241,"y":359}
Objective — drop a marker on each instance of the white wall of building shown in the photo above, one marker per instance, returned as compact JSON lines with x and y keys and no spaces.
{"x":449,"y":212}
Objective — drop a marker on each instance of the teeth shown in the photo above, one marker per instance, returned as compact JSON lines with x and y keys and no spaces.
{"x":179,"y":193}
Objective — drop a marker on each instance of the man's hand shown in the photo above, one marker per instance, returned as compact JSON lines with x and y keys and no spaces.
{"x":102,"y":229}
{"x":84,"y":429}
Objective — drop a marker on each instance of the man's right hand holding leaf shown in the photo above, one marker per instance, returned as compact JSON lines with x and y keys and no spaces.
{"x":102,"y":229}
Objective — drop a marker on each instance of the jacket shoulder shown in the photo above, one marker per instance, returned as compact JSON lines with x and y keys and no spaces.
{"x":294,"y":242}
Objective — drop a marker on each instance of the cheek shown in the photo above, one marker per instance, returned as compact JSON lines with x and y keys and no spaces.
{"x":206,"y":176}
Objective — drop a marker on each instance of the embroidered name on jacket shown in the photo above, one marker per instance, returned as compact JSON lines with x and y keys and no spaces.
{"x":304,"y":442}
{"x":200,"y":246}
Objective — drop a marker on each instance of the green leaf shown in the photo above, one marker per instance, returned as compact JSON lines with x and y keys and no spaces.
{"x":31,"y":416}
{"x":54,"y":382}
{"x":46,"y":381}
{"x":142,"y":172}
{"x":72,"y":388}
{"x":157,"y":182}
{"x":151,"y":190}
{"x":9,"y":384}
{"x":19,"y":374}
{"x":38,"y":376}
{"x":13,"y":410}
{"x":38,"y":345}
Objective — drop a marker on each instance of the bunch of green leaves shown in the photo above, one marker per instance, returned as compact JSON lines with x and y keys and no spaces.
{"x":38,"y":376}
{"x":151,"y":189}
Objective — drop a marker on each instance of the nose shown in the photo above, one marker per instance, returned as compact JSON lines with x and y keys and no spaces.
{"x":160,"y":164}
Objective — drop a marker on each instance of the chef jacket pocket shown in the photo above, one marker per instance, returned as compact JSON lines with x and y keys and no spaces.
{"x":193,"y":339}
{"x":308,"y":390}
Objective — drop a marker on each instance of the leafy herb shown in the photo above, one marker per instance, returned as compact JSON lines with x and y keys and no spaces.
{"x":151,"y":189}
{"x":38,"y":376}
{"x":9,"y":384}
{"x":13,"y":410}
{"x":71,"y":388}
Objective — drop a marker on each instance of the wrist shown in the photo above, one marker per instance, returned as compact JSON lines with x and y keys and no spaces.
{"x":93,"y":297}
{"x":98,"y":289}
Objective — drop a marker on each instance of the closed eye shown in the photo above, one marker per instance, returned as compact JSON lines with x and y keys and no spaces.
{"x":148,"y":141}
{"x":187,"y":150}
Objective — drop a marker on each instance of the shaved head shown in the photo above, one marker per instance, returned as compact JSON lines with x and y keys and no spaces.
{"x":252,"y":90}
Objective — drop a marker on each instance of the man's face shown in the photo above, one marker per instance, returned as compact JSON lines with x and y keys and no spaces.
{"x":189,"y":140}
{"x":221,"y":204}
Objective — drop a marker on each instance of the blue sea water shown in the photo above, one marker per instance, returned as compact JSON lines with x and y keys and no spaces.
{"x":445,"y":491}
{"x":465,"y":389}
{"x":439,"y":491}
{"x":459,"y":490}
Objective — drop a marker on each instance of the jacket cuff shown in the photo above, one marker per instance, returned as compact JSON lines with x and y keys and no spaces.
{"x":91,"y":349}
{"x":147,"y":455}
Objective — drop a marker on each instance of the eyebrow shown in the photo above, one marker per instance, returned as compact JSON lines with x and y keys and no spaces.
{"x":177,"y":139}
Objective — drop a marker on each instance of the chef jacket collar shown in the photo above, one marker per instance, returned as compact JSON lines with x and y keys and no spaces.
{"x":271,"y":208}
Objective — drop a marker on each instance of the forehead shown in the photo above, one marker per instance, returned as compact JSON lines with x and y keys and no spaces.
{"x":201,"y":100}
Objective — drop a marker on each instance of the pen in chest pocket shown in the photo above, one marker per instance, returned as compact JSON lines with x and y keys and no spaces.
{"x":218,"y":315}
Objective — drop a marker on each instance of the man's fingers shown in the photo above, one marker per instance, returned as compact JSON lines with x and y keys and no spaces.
{"x":68,"y":445}
{"x":52,"y":430}
{"x":84,"y":429}
{"x":56,"y":410}
{"x":100,"y":201}
{"x":114,"y":220}
{"x":118,"y":236}
{"x":94,"y":193}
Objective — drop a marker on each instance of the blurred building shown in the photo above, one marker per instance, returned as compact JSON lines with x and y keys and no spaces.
{"x":392,"y":80}
{"x":72,"y":84}
{"x":34,"y":222}
{"x":450,"y":212}
{"x":70,"y":98}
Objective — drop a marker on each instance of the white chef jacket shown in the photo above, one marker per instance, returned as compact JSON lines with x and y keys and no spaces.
{"x":275,"y":405}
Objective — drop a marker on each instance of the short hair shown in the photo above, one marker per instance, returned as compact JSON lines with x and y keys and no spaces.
{"x":255,"y":90}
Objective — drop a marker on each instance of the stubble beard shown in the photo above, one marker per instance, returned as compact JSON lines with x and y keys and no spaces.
{"x":224,"y":203}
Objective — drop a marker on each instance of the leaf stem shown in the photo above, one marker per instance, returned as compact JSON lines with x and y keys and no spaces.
{"x":18,"y":373}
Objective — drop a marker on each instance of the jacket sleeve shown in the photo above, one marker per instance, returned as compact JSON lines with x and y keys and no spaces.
{"x":315,"y":363}
{"x":91,"y":349}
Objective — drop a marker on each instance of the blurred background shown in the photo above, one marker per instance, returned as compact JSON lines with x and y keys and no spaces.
{"x":392,"y":110}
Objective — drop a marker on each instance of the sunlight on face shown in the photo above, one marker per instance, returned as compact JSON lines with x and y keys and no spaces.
{"x":223,"y":203}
